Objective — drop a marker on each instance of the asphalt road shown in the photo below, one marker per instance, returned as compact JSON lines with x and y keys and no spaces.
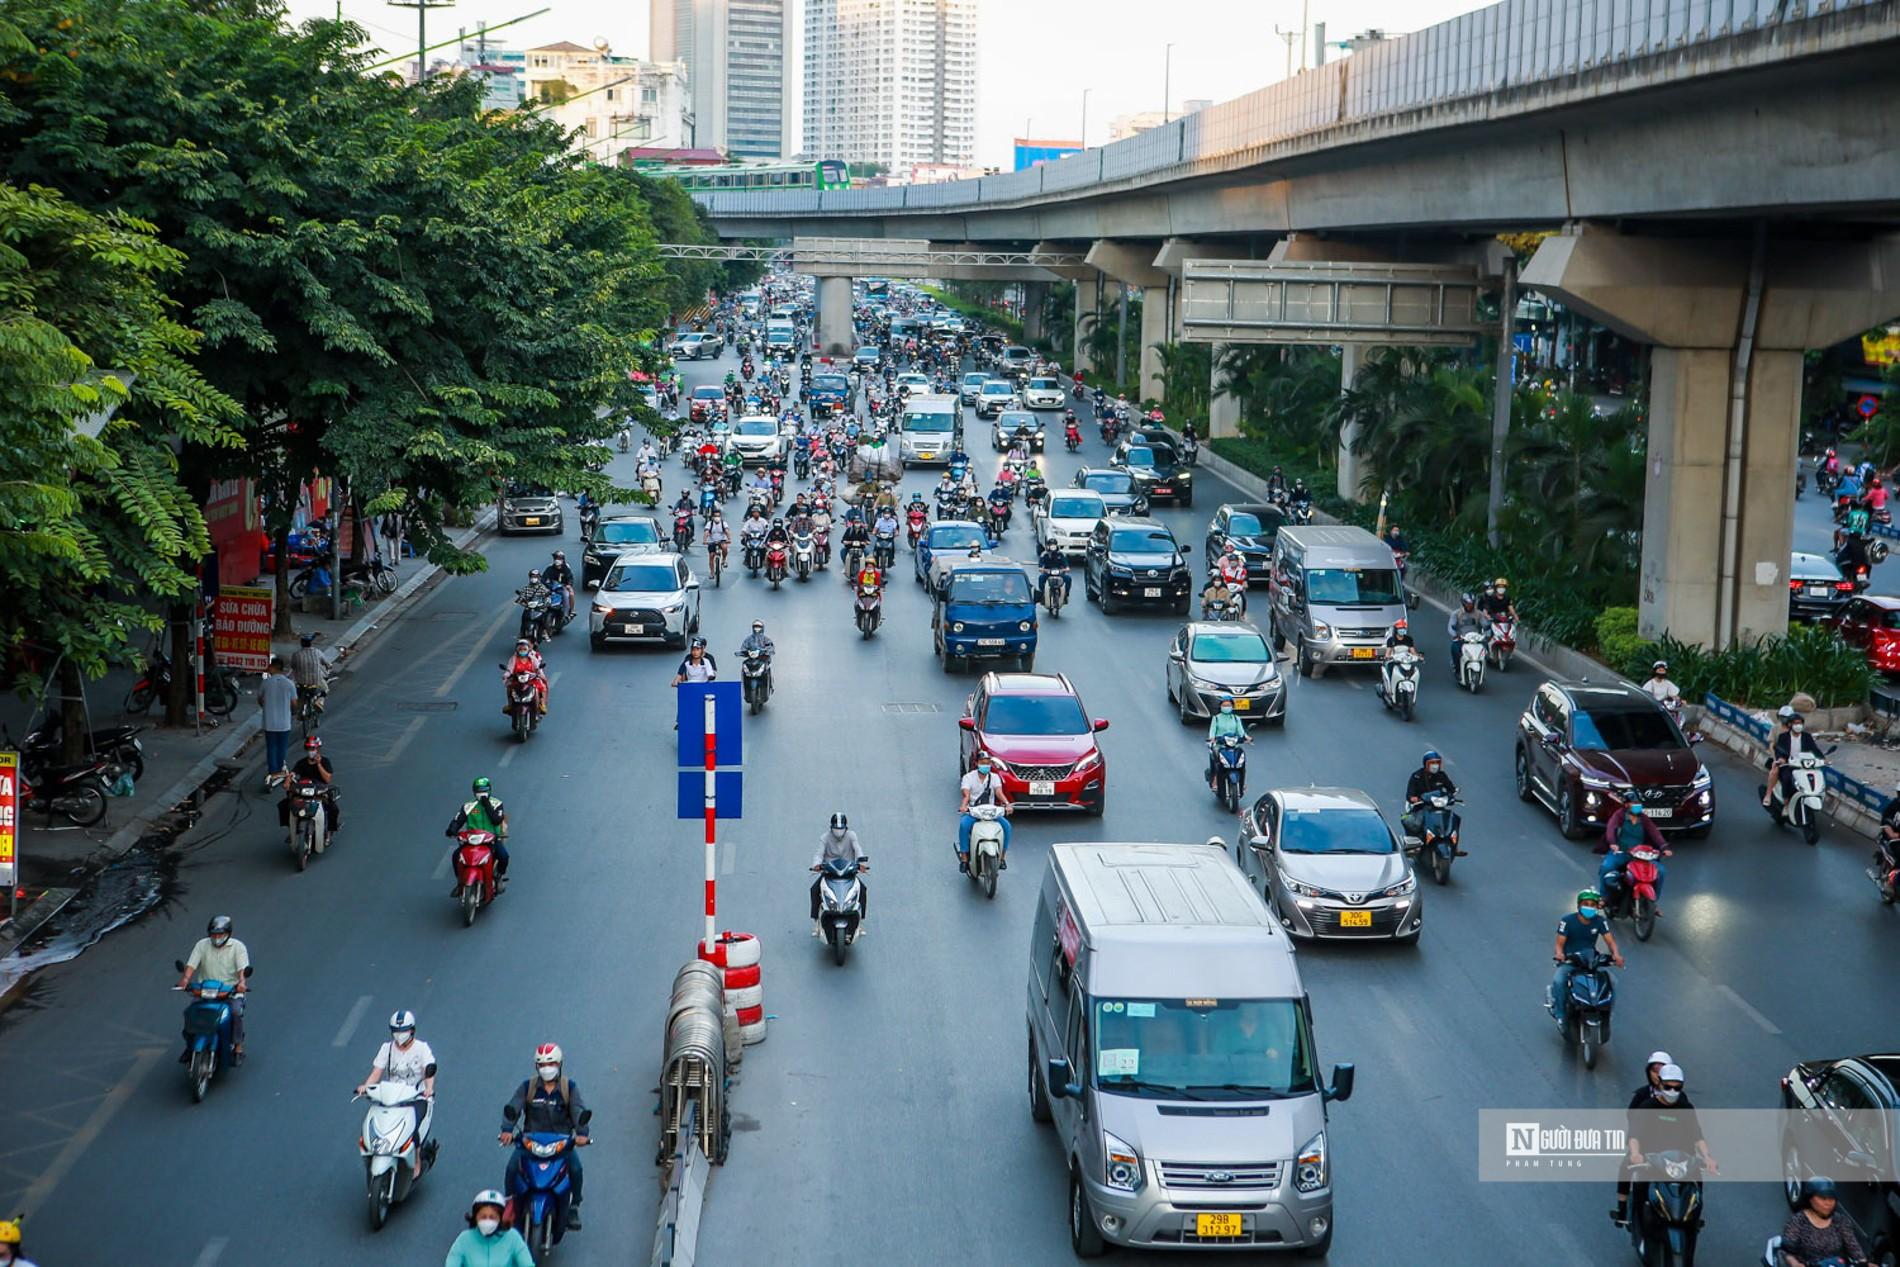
{"x":883,"y":1121}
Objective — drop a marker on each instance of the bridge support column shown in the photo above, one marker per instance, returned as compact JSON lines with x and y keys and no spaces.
{"x":833,"y":334}
{"x":1223,"y":407}
{"x":1033,"y":295}
{"x":1351,"y":469}
{"x":1156,"y":329}
{"x":1730,"y":321}
{"x":1088,"y":307}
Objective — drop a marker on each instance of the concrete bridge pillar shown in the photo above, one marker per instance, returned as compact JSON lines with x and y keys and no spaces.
{"x":833,"y":334}
{"x":1088,"y":307}
{"x":1351,"y":467}
{"x":1223,"y":407}
{"x":1156,"y":329}
{"x":1033,"y":295}
{"x":1729,"y":321}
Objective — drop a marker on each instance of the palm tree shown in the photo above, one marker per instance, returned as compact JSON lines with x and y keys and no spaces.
{"x":1429,"y":440}
{"x":1186,"y":376}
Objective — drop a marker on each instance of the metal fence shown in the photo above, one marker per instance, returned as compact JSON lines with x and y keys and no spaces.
{"x":1870,"y":798}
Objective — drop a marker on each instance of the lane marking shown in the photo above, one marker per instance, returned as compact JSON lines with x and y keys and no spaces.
{"x":350,"y":1022}
{"x":509,"y":755}
{"x":402,"y":740}
{"x":82,"y":1139}
{"x":212,"y":1252}
{"x":481,"y":644}
{"x":442,"y":867}
{"x":1748,"y":1010}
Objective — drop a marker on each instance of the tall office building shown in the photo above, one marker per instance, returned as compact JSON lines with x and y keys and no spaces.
{"x":891,"y":81}
{"x":738,"y":56}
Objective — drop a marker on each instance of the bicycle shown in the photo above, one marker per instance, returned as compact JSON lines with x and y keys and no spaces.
{"x":308,"y":709}
{"x":716,"y":560}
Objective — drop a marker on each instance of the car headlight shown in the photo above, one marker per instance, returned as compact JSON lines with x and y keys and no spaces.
{"x":1407,"y":885}
{"x":956,"y":627}
{"x":1591,"y":780}
{"x":601,"y":609}
{"x":1322,"y":630}
{"x":1121,"y":1165}
{"x":1300,"y":890}
{"x":1309,"y":1168}
{"x":1702,"y":778}
{"x":1089,"y":761}
{"x":1023,"y":626}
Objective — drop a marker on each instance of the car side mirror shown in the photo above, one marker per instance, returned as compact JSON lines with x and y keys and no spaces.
{"x":1341,"y":1089}
{"x":1263,"y":843}
{"x":693,"y":584}
{"x":1062,"y":1083}
{"x":1100,"y":723}
{"x":1176,"y":655}
{"x":1860,"y":1161}
{"x":510,"y":1112}
{"x":966,"y":723}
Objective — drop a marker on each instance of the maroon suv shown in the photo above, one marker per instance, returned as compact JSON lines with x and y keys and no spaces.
{"x":1041,"y":739}
{"x":1583,"y":749}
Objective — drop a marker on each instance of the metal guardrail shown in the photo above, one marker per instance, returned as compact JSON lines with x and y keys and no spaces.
{"x":676,"y":1238}
{"x":1761,"y":732}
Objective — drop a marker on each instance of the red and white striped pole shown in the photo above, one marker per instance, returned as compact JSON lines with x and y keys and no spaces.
{"x":712,"y":935}
{"x":198,"y":656}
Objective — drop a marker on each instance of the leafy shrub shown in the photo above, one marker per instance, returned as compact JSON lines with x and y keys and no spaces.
{"x":1765,"y":673}
{"x":1618,"y":640}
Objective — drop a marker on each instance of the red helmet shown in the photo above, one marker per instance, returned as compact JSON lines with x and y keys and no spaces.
{"x":312,"y":744}
{"x":547,"y":1054}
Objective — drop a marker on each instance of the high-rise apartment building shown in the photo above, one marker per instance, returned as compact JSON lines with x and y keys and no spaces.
{"x":891,"y":81}
{"x":738,"y":56}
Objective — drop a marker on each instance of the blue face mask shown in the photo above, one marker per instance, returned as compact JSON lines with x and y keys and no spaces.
{"x":1587,"y":912}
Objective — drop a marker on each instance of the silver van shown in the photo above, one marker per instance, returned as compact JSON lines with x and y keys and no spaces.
{"x":1171,"y":1044}
{"x":1335,"y":593}
{"x":931,"y":431}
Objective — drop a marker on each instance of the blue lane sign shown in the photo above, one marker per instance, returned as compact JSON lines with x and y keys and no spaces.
{"x":728,"y":707}
{"x":728,"y":789}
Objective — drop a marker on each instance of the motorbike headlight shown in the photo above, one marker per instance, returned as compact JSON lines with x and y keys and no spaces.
{"x":1403,"y":887}
{"x":1309,"y":1168}
{"x":1121,"y":1165}
{"x":547,"y":1150}
{"x":383,"y":1145}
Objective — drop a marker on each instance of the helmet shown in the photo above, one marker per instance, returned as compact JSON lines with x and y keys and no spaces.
{"x":1817,"y":1187}
{"x":758,"y":626}
{"x":312,"y":744}
{"x":534,"y":574}
{"x":1431,"y":755}
{"x":1589,"y":895}
{"x":778,"y":521}
{"x":1786,"y":712}
{"x":1500,"y":582}
{"x":1398,"y":626}
{"x":306,"y":640}
{"x":520,"y":643}
{"x":699,"y":644}
{"x":1661,"y":666}
{"x":1669,"y":1073}
{"x":1468,"y":599}
{"x":560,"y":556}
{"x":220,"y":924}
{"x":10,"y":1230}
{"x":401,"y":1019}
{"x":487,"y":1196}
{"x":1658,"y":1058}
{"x":839,"y":822}
{"x":547,"y":1054}
{"x":481,"y":786}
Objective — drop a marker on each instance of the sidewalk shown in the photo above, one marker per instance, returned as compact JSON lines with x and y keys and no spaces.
{"x":56,"y":859}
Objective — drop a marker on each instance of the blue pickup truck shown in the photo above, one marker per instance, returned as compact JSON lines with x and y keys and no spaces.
{"x":829,"y":394}
{"x":987,"y":611}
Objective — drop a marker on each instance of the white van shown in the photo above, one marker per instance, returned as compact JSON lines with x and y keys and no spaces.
{"x":1171,"y":1044}
{"x":781,"y":337}
{"x":932,"y":430}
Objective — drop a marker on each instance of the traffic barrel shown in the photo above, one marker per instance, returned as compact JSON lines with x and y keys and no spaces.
{"x":737,"y":955}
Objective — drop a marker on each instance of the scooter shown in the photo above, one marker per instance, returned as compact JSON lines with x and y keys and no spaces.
{"x":1438,"y":825}
{"x":1471,"y":661}
{"x":394,"y":1144}
{"x":1072,"y":437}
{"x":221,"y":690}
{"x":915,"y":521}
{"x":869,"y":609}
{"x":884,"y":550}
{"x":1398,"y":681}
{"x":1665,"y":1211}
{"x":1885,"y":873}
{"x":1230,"y":772}
{"x":210,"y":1024}
{"x":40,"y":749}
{"x":755,"y":676}
{"x":1586,"y":1020}
{"x":1632,"y":895}
{"x":1054,"y":592}
{"x":1803,"y":809}
{"x":840,"y":903}
{"x":754,"y":551}
{"x":1503,"y":643}
{"x":534,"y":619}
{"x":557,"y":614}
{"x":524,"y":711}
{"x":538,"y":1187}
{"x":802,"y":555}
{"x":775,"y":562}
{"x":309,"y":821}
{"x":476,"y":884}
{"x":590,"y":521}
{"x":1221,"y":605}
{"x":76,"y":792}
{"x":986,"y":846}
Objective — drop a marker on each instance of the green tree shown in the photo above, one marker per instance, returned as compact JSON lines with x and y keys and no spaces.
{"x":1187,"y":376}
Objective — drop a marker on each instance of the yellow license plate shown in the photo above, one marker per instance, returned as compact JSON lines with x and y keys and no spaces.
{"x":532,"y":521}
{"x":1364,"y":653}
{"x":1206,"y":1225}
{"x":1242,"y":705}
{"x":1355,"y":919}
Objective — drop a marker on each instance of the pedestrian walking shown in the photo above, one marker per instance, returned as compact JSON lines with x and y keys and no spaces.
{"x":275,"y":696}
{"x":391,"y":528}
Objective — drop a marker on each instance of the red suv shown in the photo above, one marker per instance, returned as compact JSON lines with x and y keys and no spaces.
{"x":1040,"y":738}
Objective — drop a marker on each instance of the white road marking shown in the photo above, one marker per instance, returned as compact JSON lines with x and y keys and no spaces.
{"x":94,"y":1126}
{"x":350,"y":1022}
{"x":442,"y":867}
{"x":509,"y":755}
{"x":481,"y":644}
{"x":402,"y":740}
{"x":212,"y":1252}
{"x":1748,"y":1010}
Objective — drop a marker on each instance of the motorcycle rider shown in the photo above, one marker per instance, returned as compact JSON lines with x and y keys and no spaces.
{"x":550,"y":1103}
{"x":1669,"y":1123}
{"x":698,"y":666}
{"x":1276,"y":484}
{"x":1629,"y":827}
{"x":718,"y":537}
{"x":981,"y":786}
{"x":11,"y":1254}
{"x":779,"y":535}
{"x":838,"y":841}
{"x":886,"y":525}
{"x":484,"y":813}
{"x":557,"y":572}
{"x":1466,"y":619}
{"x":1301,"y":498}
{"x":1812,"y":1236}
{"x":1496,"y":603}
{"x":315,"y":767}
{"x":487,"y":1243}
{"x":1429,"y":778}
{"x":535,"y":592}
{"x":528,"y":660}
{"x":1053,"y":564}
{"x":1577,"y":932}
{"x":1221,"y":725}
{"x":1659,"y":688}
{"x":220,"y":956}
{"x":855,"y":535}
{"x":1401,"y":636}
{"x":1396,"y":542}
{"x":1790,"y":741}
{"x":757,"y":641}
{"x":410,"y":1061}
{"x":310,"y":671}
{"x":753,"y":527}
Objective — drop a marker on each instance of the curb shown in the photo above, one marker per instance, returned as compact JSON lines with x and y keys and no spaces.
{"x":13,"y":934}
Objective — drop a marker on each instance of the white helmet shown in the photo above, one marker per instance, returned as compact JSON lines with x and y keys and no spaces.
{"x":402,"y":1019}
{"x":548,"y":1054}
{"x":487,"y":1196}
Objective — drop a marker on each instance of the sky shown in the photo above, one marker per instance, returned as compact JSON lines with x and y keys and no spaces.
{"x":1035,"y":58}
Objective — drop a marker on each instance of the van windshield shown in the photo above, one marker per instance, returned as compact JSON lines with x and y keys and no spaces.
{"x":1201,"y":1049}
{"x":1346,"y":587}
{"x":988,"y":587}
{"x":935,"y":424}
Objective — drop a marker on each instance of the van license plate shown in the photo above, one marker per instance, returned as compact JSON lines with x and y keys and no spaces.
{"x":1152,"y":591}
{"x":1364,"y":653}
{"x":1355,"y":919}
{"x":1208,"y":1225}
{"x":1659,"y":813}
{"x":1042,"y":787}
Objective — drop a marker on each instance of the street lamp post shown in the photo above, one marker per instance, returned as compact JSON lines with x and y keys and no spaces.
{"x":1167,"y":95}
{"x":1085,"y":116}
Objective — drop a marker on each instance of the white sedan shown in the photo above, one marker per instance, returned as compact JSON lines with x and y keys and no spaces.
{"x":1067,"y":518}
{"x":913,"y":384}
{"x":1044,"y":393}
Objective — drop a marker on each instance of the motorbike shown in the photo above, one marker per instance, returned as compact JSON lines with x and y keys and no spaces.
{"x":120,"y":745}
{"x":986,"y":846}
{"x":869,"y":609}
{"x":884,"y":550}
{"x":309,"y":817}
{"x":1438,"y":838}
{"x":915,"y":521}
{"x":558,"y":613}
{"x":1471,"y":661}
{"x":1223,"y":604}
{"x":997,"y":517}
{"x":1072,"y":437}
{"x":590,"y":521}
{"x":802,"y":555}
{"x":210,"y":1023}
{"x":1665,"y":1211}
{"x":853,"y":556}
{"x":475,"y":879}
{"x":1053,"y":592}
{"x":1592,"y":996}
{"x":1632,"y":891}
{"x":1230,"y":772}
{"x":683,"y":521}
{"x":650,"y":488}
{"x":840,"y":903}
{"x":396,"y":1126}
{"x":775,"y":562}
{"x":821,"y":547}
{"x":801,"y":463}
{"x":1398,"y":680}
{"x":524,"y":711}
{"x":753,"y":552}
{"x":1803,"y":809}
{"x":755,"y":676}
{"x":539,"y":1188}
{"x":1300,"y":513}
{"x":1503,"y":642}
{"x":534,"y":618}
{"x":221,"y":689}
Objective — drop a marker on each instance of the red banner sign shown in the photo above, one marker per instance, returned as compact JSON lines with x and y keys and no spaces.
{"x":9,"y":818}
{"x":241,"y":625}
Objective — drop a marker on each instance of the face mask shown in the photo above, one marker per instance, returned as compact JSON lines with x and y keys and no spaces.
{"x":1664,"y":1096}
{"x":1795,"y":729}
{"x":220,"y":940}
{"x":983,"y":770}
{"x":404,"y":1037}
{"x":1587,"y":912}
{"x":1227,"y":710}
{"x":549,"y":1073}
{"x":487,"y":1227}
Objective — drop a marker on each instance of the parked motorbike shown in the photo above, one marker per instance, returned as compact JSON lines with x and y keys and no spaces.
{"x":539,"y":1188}
{"x":309,"y":819}
{"x":1438,"y":838}
{"x":1230,"y":772}
{"x":775,"y":562}
{"x":210,"y":1022}
{"x":394,"y":1144}
{"x":117,"y":744}
{"x":475,"y":882}
{"x":1631,"y":890}
{"x":986,"y":846}
{"x":755,"y":676}
{"x":1665,"y":1211}
{"x":1803,"y":809}
{"x":1398,"y":681}
{"x":1586,"y":1020}
{"x":1471,"y":661}
{"x":221,"y":689}
{"x":1503,"y":643}
{"x":75,"y":792}
{"x":840,"y":903}
{"x":869,"y":609}
{"x":524,"y":711}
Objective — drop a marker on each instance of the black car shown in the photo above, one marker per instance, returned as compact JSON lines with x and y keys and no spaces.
{"x":1120,"y":494}
{"x":1838,"y":1129}
{"x":617,"y":535}
{"x":1160,"y":472}
{"x":1816,"y":586}
{"x":1251,"y":527}
{"x":1131,"y":560}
